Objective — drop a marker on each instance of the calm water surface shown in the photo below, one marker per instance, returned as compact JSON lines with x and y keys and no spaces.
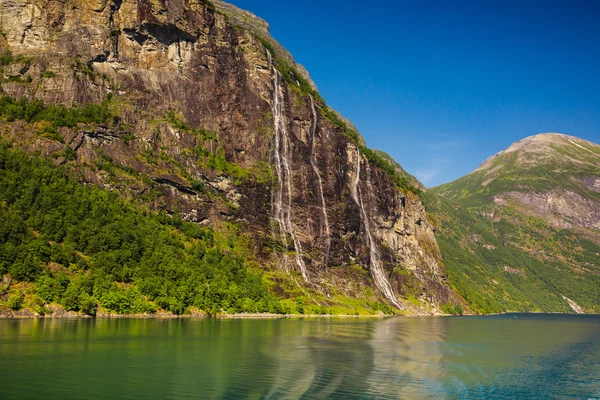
{"x":513,"y":356}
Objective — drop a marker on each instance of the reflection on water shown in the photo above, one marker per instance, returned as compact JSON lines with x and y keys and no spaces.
{"x":513,"y":356}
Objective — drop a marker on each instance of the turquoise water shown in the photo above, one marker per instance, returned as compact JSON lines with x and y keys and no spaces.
{"x":502,"y":357}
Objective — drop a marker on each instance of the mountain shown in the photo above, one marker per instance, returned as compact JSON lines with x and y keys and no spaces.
{"x":195,"y":124}
{"x":522,"y":232}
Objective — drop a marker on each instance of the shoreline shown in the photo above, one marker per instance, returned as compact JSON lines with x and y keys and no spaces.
{"x":193,"y":317}
{"x":28,"y":315}
{"x":59,"y":313}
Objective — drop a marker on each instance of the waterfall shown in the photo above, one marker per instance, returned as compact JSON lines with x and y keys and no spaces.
{"x":375,"y":266}
{"x":282,"y":199}
{"x":277,"y":196}
{"x":325,"y":225}
{"x":377,"y":270}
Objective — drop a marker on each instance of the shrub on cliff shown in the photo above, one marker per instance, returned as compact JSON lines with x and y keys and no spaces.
{"x":452,"y":309}
{"x":57,"y":115}
{"x":15,"y":301}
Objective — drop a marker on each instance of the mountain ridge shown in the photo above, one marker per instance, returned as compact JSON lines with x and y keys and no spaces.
{"x":540,"y":143}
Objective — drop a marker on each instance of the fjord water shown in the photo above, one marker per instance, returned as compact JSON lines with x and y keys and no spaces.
{"x":511,"y":356}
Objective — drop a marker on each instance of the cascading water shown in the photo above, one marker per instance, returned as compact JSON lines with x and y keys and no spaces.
{"x":277,"y":196}
{"x":282,"y":198}
{"x":325,"y":225}
{"x":375,"y":266}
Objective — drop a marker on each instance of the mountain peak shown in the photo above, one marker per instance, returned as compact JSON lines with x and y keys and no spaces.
{"x":539,"y":163}
{"x":545,"y":148}
{"x":545,"y":140}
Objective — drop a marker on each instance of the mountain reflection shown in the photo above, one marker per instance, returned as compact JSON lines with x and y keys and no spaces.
{"x":408,"y":352}
{"x":329,"y":359}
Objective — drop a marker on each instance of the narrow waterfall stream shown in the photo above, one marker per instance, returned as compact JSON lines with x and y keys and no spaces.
{"x":375,"y":266}
{"x":282,"y":199}
{"x":325,"y":225}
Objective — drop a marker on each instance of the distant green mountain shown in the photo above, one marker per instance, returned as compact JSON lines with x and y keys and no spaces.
{"x":522,"y":232}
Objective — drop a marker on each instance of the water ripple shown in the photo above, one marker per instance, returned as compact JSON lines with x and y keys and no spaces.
{"x":469,"y":358}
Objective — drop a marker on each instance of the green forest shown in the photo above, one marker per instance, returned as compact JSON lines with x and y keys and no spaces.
{"x":89,"y":250}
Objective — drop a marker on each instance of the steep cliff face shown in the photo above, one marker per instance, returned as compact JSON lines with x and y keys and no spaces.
{"x":522,"y":232}
{"x":212,"y":120}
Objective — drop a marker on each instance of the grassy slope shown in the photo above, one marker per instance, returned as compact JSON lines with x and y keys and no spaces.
{"x":544,"y":262}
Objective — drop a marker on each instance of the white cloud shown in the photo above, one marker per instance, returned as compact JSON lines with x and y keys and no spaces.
{"x":425,"y":176}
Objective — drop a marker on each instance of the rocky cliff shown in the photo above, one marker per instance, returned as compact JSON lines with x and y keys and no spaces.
{"x":212,"y":119}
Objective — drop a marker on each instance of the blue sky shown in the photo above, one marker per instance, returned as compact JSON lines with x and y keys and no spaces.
{"x":442,"y":85}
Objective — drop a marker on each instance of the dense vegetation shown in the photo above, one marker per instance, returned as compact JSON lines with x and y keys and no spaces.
{"x":489,"y":265}
{"x":85,"y":248}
